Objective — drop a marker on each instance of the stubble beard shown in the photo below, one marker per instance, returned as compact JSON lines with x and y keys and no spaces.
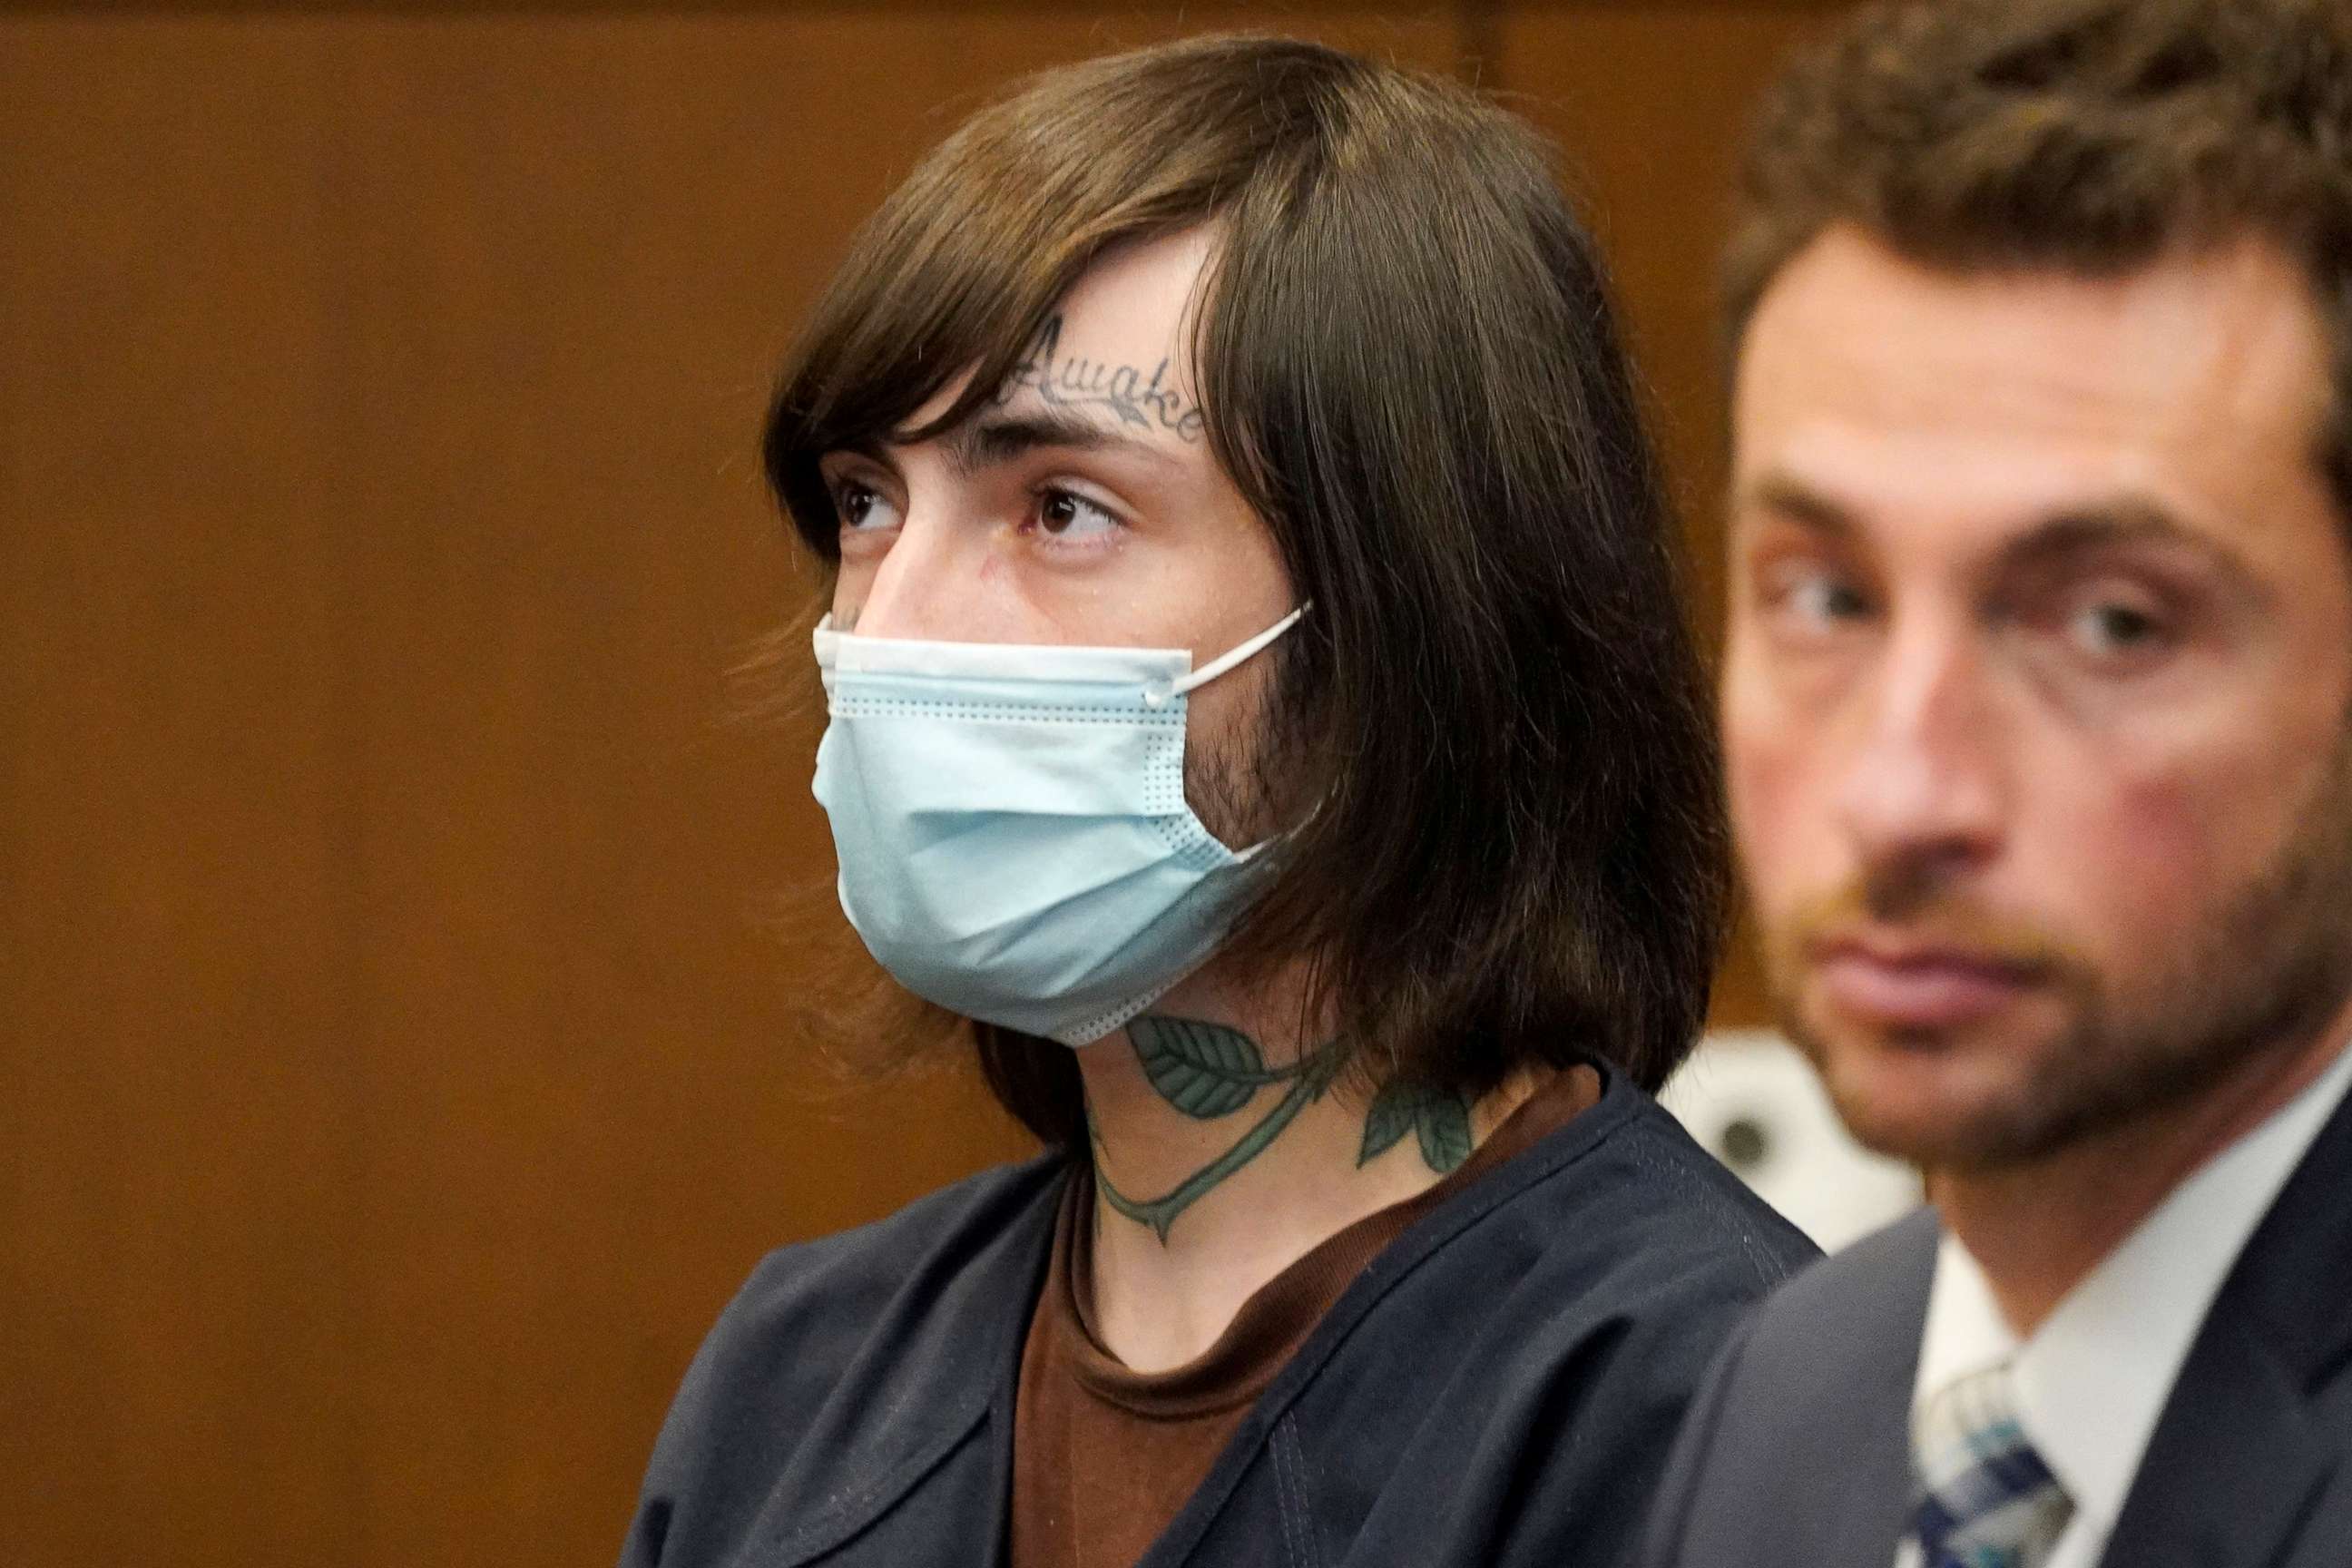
{"x":2248,"y":986}
{"x":1232,"y":781}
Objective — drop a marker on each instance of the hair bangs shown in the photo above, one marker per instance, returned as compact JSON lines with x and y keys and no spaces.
{"x":957,"y":273}
{"x":947,"y":282}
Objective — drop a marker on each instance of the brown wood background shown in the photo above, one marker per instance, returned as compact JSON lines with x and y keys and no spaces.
{"x":402,"y":1051}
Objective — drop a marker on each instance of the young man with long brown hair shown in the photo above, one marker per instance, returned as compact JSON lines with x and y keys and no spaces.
{"x":1259,"y":706}
{"x":2038,"y":714}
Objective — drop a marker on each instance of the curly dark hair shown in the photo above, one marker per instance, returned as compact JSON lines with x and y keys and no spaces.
{"x":2089,"y":135}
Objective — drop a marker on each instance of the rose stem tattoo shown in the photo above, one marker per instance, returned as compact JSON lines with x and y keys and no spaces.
{"x":1209,"y":1071}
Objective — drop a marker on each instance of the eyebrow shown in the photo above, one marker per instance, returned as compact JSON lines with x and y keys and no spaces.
{"x":1807,"y":509}
{"x":997,"y":440}
{"x":2123,"y":520}
{"x":2079,"y":528}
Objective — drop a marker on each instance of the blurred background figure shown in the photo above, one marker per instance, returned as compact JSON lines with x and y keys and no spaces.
{"x":405,"y":956}
{"x":2038,"y":728}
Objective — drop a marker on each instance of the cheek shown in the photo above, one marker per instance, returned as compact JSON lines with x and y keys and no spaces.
{"x":1775,"y":789}
{"x":2119,"y":865}
{"x":1207,"y":589}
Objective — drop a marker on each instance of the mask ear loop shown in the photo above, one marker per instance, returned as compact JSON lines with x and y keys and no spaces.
{"x":1238,"y":654}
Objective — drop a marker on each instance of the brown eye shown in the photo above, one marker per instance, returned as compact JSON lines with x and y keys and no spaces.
{"x":1065,"y":515}
{"x":861,"y":506}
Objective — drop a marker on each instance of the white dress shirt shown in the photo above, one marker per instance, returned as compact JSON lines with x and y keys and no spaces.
{"x":2093,"y":1379}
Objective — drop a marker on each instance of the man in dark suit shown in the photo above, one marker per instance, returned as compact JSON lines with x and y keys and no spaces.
{"x":2038,"y":705}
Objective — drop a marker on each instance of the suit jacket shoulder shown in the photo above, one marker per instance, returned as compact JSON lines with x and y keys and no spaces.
{"x":1796,"y":1450}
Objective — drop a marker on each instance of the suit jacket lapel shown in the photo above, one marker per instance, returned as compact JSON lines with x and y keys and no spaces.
{"x":2250,"y":1432}
{"x":2233,"y":1466}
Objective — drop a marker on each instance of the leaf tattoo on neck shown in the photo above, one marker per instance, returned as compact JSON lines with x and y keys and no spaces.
{"x":1209,"y":1071}
{"x":1439,"y":1121}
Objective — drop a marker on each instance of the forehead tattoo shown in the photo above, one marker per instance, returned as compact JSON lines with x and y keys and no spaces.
{"x":1146,"y":399}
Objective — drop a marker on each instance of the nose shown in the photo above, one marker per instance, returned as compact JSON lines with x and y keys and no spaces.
{"x":1924,"y":790}
{"x":929,"y":586}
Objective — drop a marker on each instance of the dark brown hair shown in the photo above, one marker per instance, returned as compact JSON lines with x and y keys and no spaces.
{"x":1410,"y":367}
{"x":2090,"y":135}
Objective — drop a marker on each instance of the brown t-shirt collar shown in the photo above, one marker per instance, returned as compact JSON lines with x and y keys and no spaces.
{"x":1277,"y":1318}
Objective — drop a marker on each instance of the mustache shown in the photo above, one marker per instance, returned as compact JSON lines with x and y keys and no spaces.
{"x":1925,"y":918}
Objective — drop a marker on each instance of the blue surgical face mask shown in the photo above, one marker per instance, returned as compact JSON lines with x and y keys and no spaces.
{"x":1014,"y":841}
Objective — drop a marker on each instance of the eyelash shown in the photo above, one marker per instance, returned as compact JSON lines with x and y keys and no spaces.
{"x":850,"y":490}
{"x":1781,"y":588}
{"x":1044,"y":496}
{"x":2157,"y":625}
{"x":844,"y":489}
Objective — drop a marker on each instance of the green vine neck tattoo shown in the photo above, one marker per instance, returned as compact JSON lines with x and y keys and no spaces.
{"x":1209,"y":1071}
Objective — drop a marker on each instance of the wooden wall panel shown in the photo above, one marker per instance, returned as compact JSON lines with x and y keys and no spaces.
{"x":178,"y":1108}
{"x":1648,"y":103}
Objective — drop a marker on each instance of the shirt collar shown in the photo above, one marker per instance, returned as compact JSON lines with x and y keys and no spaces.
{"x":2092,"y":1380}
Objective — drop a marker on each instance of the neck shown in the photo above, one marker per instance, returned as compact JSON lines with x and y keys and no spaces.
{"x":2039,"y":1227}
{"x":1227,"y":1146}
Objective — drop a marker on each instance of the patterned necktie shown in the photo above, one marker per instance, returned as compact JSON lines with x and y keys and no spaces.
{"x":1987,"y":1501}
